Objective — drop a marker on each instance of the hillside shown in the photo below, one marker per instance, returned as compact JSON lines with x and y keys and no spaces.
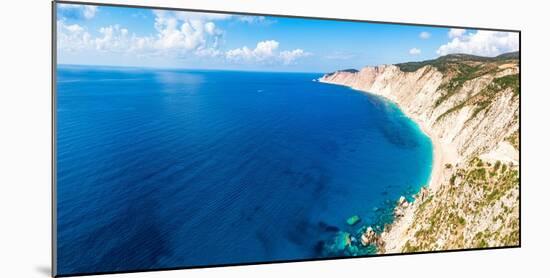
{"x":469,"y":106}
{"x":448,"y":61}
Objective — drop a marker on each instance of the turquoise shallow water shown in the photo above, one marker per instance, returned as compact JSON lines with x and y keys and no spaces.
{"x":174,"y":168}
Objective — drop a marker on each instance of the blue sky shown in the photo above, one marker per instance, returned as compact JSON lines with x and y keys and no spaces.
{"x":120,"y":36}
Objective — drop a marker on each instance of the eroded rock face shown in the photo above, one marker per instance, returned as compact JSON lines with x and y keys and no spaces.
{"x":369,"y":237}
{"x":454,"y":117}
{"x":399,"y":210}
{"x":470,"y":114}
{"x":423,"y":194}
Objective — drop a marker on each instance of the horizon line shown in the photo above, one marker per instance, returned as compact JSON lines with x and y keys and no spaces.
{"x":182,"y":68}
{"x":274,"y":71}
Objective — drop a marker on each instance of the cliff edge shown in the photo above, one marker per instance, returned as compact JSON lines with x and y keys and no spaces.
{"x":469,"y":106}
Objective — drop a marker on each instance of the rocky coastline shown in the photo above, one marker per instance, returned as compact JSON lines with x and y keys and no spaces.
{"x":469,"y":107}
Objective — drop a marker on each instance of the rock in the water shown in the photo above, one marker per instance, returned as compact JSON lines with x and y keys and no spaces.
{"x":353,"y":220}
{"x":368,"y":237}
{"x":401,"y":201}
{"x":339,"y":243}
{"x":343,"y":240}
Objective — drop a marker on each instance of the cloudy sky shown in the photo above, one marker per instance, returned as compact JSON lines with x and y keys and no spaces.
{"x":119,"y":36}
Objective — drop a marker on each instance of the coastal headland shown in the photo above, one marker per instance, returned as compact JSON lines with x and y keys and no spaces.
{"x":469,"y":107}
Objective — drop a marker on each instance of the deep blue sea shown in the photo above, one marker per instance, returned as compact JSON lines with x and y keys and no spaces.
{"x":179,"y":168}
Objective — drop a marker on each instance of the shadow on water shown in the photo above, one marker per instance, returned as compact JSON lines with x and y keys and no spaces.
{"x":131,"y":238}
{"x":395,"y":135}
{"x":394,"y":130}
{"x":144,"y":237}
{"x":265,"y":242}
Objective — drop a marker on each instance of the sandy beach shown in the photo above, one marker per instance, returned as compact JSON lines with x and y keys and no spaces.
{"x":492,"y":136}
{"x":441,"y":154}
{"x":397,"y":236}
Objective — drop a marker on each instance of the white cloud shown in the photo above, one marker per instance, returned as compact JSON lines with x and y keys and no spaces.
{"x":112,"y":38}
{"x":424,"y":35}
{"x":251,"y":19}
{"x":187,"y":16}
{"x":255,"y":19}
{"x":483,"y":43}
{"x":243,"y":53}
{"x":288,"y":57}
{"x":456,"y":32}
{"x":415,"y":51}
{"x":187,"y":32}
{"x":210,"y":28}
{"x":77,"y":11}
{"x":72,"y":37}
{"x":265,"y":51}
{"x":177,"y":33}
{"x":208,"y":52}
{"x":89,"y":12}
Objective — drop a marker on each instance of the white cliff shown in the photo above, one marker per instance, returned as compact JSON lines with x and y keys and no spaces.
{"x":470,"y":110}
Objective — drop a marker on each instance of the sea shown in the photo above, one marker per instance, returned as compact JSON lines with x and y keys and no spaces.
{"x":166,"y":168}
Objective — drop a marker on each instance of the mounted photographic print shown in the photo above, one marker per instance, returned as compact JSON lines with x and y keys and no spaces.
{"x":187,"y":138}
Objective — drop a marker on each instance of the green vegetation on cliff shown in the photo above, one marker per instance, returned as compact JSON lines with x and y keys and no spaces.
{"x":514,"y":140}
{"x":469,"y":68}
{"x":508,"y":81}
{"x":446,"y":62}
{"x":461,"y":68}
{"x":459,"y":219}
